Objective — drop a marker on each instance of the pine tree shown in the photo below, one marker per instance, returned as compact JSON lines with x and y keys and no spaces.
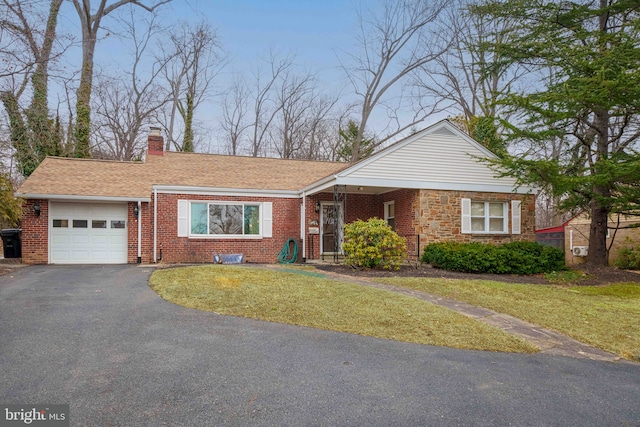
{"x":587,"y":56}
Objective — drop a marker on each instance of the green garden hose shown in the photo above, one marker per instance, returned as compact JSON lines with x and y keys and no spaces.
{"x":286,"y":257}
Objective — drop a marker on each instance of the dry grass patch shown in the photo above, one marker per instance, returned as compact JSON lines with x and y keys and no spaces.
{"x":607,"y":317}
{"x":307,"y":300}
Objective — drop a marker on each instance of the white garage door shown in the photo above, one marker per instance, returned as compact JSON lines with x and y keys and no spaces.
{"x":83,"y":233}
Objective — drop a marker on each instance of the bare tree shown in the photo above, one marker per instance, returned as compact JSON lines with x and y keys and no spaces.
{"x":234,"y":122}
{"x":90,"y":22}
{"x":32,"y":47}
{"x":294,"y":97}
{"x":264,"y":106}
{"x":302,"y":111}
{"x":196,"y":60}
{"x":458,"y":77}
{"x":394,"y":43}
{"x":322,"y":127}
{"x":124,"y":107}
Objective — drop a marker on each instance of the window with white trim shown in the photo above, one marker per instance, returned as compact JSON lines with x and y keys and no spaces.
{"x":390,"y":214}
{"x":225,"y":219}
{"x":484,"y":217}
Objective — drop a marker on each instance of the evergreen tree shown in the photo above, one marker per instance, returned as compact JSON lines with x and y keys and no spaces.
{"x":349,"y":136}
{"x":587,"y":56}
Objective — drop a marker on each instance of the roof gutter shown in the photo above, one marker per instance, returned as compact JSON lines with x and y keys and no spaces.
{"x":213,"y":191}
{"x":416,"y":185}
{"x":318,"y":186}
{"x":82,"y":198}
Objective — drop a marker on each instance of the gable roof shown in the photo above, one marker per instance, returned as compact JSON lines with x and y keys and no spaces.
{"x":440,"y":157}
{"x":115,"y":180}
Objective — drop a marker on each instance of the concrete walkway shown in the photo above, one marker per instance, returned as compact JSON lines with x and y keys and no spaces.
{"x":549,"y":342}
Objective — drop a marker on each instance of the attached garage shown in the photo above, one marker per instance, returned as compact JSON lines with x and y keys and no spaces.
{"x":87,"y":233}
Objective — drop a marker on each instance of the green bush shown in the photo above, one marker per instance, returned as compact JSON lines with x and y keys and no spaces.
{"x":509,"y":258}
{"x":628,"y":259}
{"x":373,"y":244}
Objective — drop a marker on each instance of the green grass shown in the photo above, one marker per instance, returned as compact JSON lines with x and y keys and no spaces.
{"x":299,"y":298}
{"x":565,"y":276}
{"x":607,"y":317}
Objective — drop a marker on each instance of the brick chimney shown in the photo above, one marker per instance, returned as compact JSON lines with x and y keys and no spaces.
{"x":156,"y":142}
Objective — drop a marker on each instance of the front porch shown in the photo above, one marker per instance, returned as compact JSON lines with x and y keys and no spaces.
{"x":326,"y":213}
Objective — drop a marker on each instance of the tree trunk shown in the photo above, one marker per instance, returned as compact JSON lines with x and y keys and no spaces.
{"x":598,"y":254}
{"x":598,"y":236}
{"x":45,"y":141}
{"x":187,"y":117}
{"x":83,"y":95}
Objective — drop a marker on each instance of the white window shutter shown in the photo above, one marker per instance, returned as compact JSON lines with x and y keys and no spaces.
{"x":466,"y":216}
{"x":267,"y":220}
{"x":183,"y":218}
{"x":515,"y":217}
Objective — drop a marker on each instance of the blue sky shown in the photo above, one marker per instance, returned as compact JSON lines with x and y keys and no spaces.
{"x":313,"y":30}
{"x":317,"y":32}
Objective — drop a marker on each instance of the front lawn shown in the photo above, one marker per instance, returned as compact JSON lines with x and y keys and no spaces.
{"x":607,"y":316}
{"x":302,"y":298}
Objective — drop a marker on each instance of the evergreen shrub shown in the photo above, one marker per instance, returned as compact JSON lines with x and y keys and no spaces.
{"x":508,"y":258}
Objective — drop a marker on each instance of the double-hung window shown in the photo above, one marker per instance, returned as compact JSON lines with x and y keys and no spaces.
{"x":488,"y":217}
{"x":485,"y":217}
{"x":225,"y":219}
{"x":390,"y":214}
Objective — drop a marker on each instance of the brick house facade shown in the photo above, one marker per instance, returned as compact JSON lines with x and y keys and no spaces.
{"x":184,"y":207}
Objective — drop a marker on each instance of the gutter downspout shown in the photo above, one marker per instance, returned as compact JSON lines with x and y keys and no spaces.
{"x":139,"y":232}
{"x":571,"y":240}
{"x":302,"y":226}
{"x":155,"y":225}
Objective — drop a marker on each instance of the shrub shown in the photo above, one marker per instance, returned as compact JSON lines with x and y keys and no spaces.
{"x":373,"y":244}
{"x":628,"y":258}
{"x":509,"y":258}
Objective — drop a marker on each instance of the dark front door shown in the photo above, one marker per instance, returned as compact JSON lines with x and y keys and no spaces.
{"x":331,"y":228}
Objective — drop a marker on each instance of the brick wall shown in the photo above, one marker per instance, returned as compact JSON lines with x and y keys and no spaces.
{"x":406,"y":208}
{"x":286,"y":224}
{"x":145,"y":216}
{"x":440,"y":217}
{"x":363,"y":207}
{"x":35,"y":233}
{"x":433,"y":215}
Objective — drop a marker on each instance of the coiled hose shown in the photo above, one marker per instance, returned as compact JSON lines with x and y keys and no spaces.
{"x":286,"y":256}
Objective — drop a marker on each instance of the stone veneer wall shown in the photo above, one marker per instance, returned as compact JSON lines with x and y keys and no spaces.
{"x":440,"y":217}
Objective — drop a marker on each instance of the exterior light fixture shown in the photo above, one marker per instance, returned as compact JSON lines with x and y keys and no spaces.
{"x":136,"y":211}
{"x":317,"y":207}
{"x":36,"y":209}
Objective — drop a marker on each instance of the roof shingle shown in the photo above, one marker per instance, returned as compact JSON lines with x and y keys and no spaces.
{"x":86,"y":177}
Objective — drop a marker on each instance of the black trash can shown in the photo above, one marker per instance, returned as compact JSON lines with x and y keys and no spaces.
{"x":12,"y":242}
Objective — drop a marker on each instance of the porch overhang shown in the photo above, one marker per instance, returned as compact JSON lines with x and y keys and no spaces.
{"x":383,"y":185}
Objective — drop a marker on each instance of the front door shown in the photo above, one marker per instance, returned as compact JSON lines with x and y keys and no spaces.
{"x":331,"y":230}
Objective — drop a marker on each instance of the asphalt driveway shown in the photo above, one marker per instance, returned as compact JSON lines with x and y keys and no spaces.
{"x":98,"y":338}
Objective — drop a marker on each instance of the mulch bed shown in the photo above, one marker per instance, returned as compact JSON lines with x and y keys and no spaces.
{"x":592,"y":276}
